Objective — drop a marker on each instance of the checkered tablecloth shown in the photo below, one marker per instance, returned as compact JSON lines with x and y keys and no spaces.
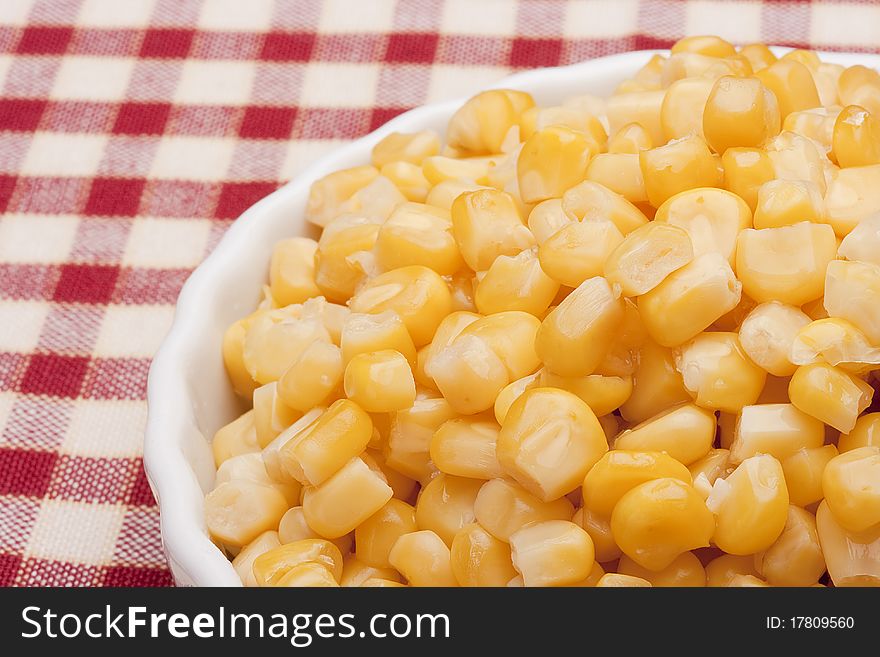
{"x":132,"y":132}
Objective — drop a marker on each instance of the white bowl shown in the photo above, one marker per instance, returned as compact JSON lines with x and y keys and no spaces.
{"x":188,"y":392}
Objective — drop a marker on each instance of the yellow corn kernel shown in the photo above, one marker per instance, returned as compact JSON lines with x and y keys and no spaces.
{"x":768,"y":333}
{"x":685,"y":570}
{"x":321,"y":450}
{"x":292,"y":271}
{"x":739,"y":112}
{"x":405,"y":147}
{"x":312,"y":377}
{"x":376,"y":535}
{"x":680,"y":165}
{"x":419,"y":296}
{"x":345,"y":500}
{"x":603,"y":394}
{"x":409,"y":439}
{"x":642,"y":107}
{"x":293,"y":527}
{"x":404,"y":487}
{"x":364,"y":333}
{"x":721,"y":570}
{"x":776,"y":429}
{"x":599,"y":529}
{"x":307,"y":575}
{"x":616,"y":580}
{"x":830,"y":394}
{"x":743,"y":581}
{"x":552,"y":553}
{"x":619,"y":172}
{"x":417,"y":234}
{"x":865,"y":433}
{"x":236,"y":512}
{"x":272,"y":566}
{"x":853,"y":195}
{"x":619,"y":471}
{"x":480,"y":559}
{"x":511,"y":392}
{"x":327,"y":195}
{"x":338,"y":269}
{"x":860,"y":85}
{"x":271,"y":414}
{"x":630,"y":138}
{"x":852,"y":292}
{"x":708,"y":469}
{"x":237,"y":437}
{"x":487,"y":224}
{"x":271,"y":453}
{"x":758,"y":54}
{"x":803,"y":473}
{"x":439,"y":168}
{"x":646,"y":257}
{"x":792,"y":84}
{"x":816,"y":124}
{"x":575,"y":336}
{"x":423,"y":559}
{"x":863,"y":242}
{"x":745,"y":170}
{"x":233,"y":358}
{"x":469,"y":374}
{"x":684,"y":432}
{"x":502,"y":507}
{"x":375,"y":201}
{"x":446,"y":504}
{"x":660,"y":519}
{"x":549,"y":440}
{"x":409,"y":179}
{"x":657,"y":385}
{"x":851,"y":483}
{"x":795,"y":559}
{"x":276,"y":338}
{"x":551,"y":161}
{"x":788,"y":202}
{"x":856,"y":140}
{"x":578,"y":250}
{"x":851,"y":559}
{"x":482,"y":123}
{"x":244,"y":560}
{"x":442,"y":195}
{"x":380,"y":381}
{"x":465,"y":447}
{"x":797,"y":158}
{"x":681,"y":113}
{"x":591,"y":201}
{"x":836,"y":342}
{"x":772,"y":268}
{"x":546,"y":218}
{"x":515,"y":283}
{"x":711,"y":46}
{"x":250,"y":467}
{"x":379,"y":582}
{"x":750,"y":506}
{"x":356,"y":573}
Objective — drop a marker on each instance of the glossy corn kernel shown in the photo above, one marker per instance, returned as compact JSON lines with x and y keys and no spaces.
{"x":364,"y":333}
{"x":745,"y":171}
{"x":816,"y":124}
{"x":338,"y":268}
{"x":511,"y":392}
{"x":856,"y":140}
{"x":739,"y":112}
{"x":236,"y":512}
{"x":345,"y":500}
{"x":646,"y":257}
{"x":275,"y":339}
{"x":851,"y":483}
{"x":417,"y":234}
{"x":797,"y":158}
{"x":446,"y":504}
{"x":639,"y":106}
{"x":440,"y":168}
{"x":312,"y":377}
{"x":721,"y":570}
{"x":865,"y":433}
{"x":851,"y":559}
{"x":863,"y":242}
{"x":617,"y":580}
{"x":770,"y":268}
{"x":237,"y":437}
{"x":576,"y":118}
{"x":357,"y":573}
{"x":419,"y":296}
{"x":406,"y":147}
{"x":271,"y":414}
{"x":482,"y":123}
{"x":758,"y":54}
{"x":233,"y":358}
{"x":375,"y":537}
{"x":788,"y":202}
{"x":680,"y":165}
{"x":591,"y":201}
{"x":630,"y":138}
{"x":409,"y":439}
{"x":803,"y":473}
{"x":657,"y":385}
{"x":480,"y":559}
{"x":549,"y":440}
{"x":503,"y":507}
{"x":795,"y":559}
{"x":750,"y":506}
{"x":423,"y":559}
{"x":685,"y":570}
{"x":546,"y":218}
{"x":619,"y":471}
{"x":768,"y":333}
{"x":711,"y":46}
{"x":250,"y":467}
{"x":852,"y":292}
{"x":379,"y":582}
{"x":307,"y":575}
{"x":689,"y":300}
{"x":853,"y":195}
{"x":706,"y":471}
{"x":327,"y":195}
{"x":578,"y":250}
{"x":603,"y":394}
{"x":792,"y":84}
{"x":515,"y":283}
{"x":380,"y":381}
{"x":551,"y":161}
{"x":409,"y":179}
{"x":746,"y":581}
{"x":244,"y":560}
{"x":599,"y":529}
{"x":837,"y":342}
{"x":292,"y":270}
{"x":487,"y":224}
{"x":272,"y":566}
{"x":552,"y":553}
{"x":293,"y":527}
{"x":684,"y":432}
{"x":443,"y":194}
{"x":656,"y":521}
{"x":776,"y":429}
{"x":465,"y":447}
{"x":339,"y":435}
{"x":619,"y":172}
{"x":829,"y":394}
{"x":681,"y":113}
{"x":576,"y":335}
{"x":469,"y":374}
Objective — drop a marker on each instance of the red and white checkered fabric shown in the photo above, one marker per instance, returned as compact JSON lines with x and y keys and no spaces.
{"x":132,"y":132}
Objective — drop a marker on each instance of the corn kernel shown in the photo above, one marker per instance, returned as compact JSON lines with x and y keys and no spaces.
{"x":250,"y":467}
{"x":409,"y":440}
{"x":503,"y":507}
{"x":853,"y":194}
{"x":579,"y":250}
{"x":739,"y":112}
{"x":852,"y":292}
{"x":816,"y":124}
{"x":685,"y":570}
{"x":552,"y":553}
{"x":646,"y":257}
{"x":599,"y":529}
{"x":549,"y":440}
{"x":681,"y":113}
{"x":292,"y":270}
{"x":328,"y":194}
{"x":271,"y":415}
{"x":865,"y":433}
{"x":684,"y":432}
{"x":836,"y":342}
{"x":744,"y":581}
{"x":409,"y":179}
{"x":511,"y":392}
{"x":792,"y":84}
{"x":851,"y":559}
{"x":758,"y":54}
{"x":406,"y":147}
{"x":830,"y":394}
{"x":293,"y":527}
{"x":465,"y":447}
{"x":417,"y":234}
{"x":851,"y":483}
{"x":356,"y":573}
{"x":619,"y":172}
{"x":236,"y":512}
{"x":603,"y":394}
{"x":711,"y":46}
{"x":233,"y":358}
{"x":776,"y":429}
{"x":516,"y":283}
{"x":244,"y":560}
{"x":423,"y":559}
{"x":795,"y":559}
{"x":680,"y":165}
{"x":547,"y":218}
{"x":856,"y":140}
{"x":272,"y":566}
{"x":745,"y":170}
{"x":617,"y":580}
{"x":487,"y":224}
{"x":442,"y":195}
{"x":770,"y":269}
{"x":750,"y":506}
{"x":446,"y":505}
{"x":480,"y":559}
{"x":803,"y":473}
{"x":630,"y":138}
{"x":440,"y":168}
{"x":237,"y":437}
{"x":469,"y":373}
{"x":591,"y":201}
{"x":375,"y":537}
{"x":551,"y":161}
{"x":364,"y":333}
{"x":721,"y":570}
{"x":312,"y":377}
{"x":657,"y":385}
{"x":482,"y":123}
{"x":307,"y":575}
{"x":706,"y":471}
{"x":768,"y":333}
{"x":797,"y":158}
{"x":380,"y":381}
{"x":642,"y":107}
{"x":338,"y":271}
{"x":788,"y":202}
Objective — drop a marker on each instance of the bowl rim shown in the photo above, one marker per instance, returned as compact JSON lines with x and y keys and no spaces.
{"x":187,"y":546}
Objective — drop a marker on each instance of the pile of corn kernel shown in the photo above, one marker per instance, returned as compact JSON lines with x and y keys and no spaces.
{"x":615,"y":342}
